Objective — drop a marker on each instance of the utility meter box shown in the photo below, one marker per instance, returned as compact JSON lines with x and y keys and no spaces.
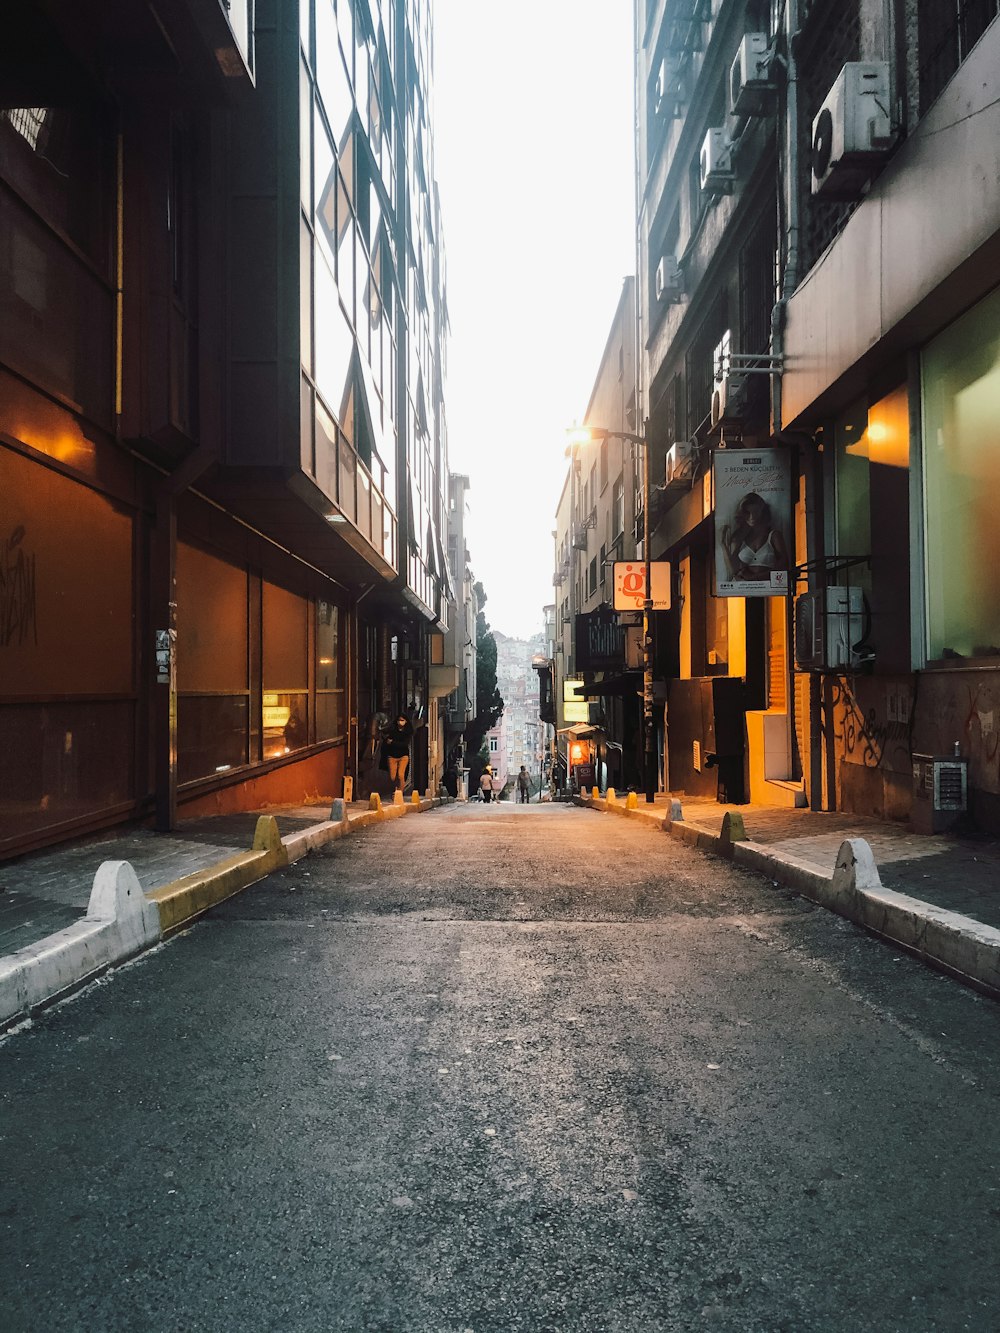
{"x":940,"y":792}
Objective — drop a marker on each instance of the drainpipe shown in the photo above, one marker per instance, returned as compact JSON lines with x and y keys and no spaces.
{"x":789,"y":187}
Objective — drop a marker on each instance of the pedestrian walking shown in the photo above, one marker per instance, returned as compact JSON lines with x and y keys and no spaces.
{"x":396,"y":749}
{"x":523,"y":786}
{"x":486,"y":785}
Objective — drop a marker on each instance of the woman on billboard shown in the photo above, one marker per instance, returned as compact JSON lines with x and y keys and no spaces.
{"x":753,"y":547}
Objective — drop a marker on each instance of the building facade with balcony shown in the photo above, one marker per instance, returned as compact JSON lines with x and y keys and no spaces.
{"x":222,"y":434}
{"x":802,"y":291}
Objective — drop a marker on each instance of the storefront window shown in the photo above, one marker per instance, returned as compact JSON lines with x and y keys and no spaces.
{"x":960,"y":374}
{"x":286,"y":676}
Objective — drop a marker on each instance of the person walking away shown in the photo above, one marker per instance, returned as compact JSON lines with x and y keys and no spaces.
{"x":396,"y":744}
{"x":523,"y":785}
{"x":486,"y":784}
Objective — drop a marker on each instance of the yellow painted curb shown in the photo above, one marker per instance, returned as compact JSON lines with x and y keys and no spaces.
{"x":186,"y":898}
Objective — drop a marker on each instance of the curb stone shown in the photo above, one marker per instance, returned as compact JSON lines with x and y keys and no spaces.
{"x":958,"y":945}
{"x":122,"y":921}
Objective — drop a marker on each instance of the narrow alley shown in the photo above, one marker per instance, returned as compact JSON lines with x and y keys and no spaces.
{"x":506,"y":1067}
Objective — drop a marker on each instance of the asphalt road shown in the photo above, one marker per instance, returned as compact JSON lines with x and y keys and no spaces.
{"x":500,"y":1068}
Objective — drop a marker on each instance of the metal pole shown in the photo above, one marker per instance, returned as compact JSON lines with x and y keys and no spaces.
{"x":647,"y":640}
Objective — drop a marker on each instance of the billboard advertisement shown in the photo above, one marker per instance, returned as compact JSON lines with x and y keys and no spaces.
{"x":753,"y":505}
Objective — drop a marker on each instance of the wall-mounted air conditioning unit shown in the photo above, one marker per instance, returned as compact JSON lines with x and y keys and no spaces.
{"x":669,"y":279}
{"x":852,"y":131}
{"x":829,"y":629}
{"x":667,"y":92}
{"x":681,"y":459}
{"x":749,"y":76}
{"x":715,"y":164}
{"x":728,"y":399}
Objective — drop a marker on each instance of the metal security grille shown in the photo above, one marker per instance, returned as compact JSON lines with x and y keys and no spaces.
{"x":831,"y":37}
{"x":947,"y":30}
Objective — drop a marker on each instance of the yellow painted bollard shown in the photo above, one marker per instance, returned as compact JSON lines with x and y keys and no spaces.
{"x":415,"y":799}
{"x":612,"y":797}
{"x":733,"y":830}
{"x":266,"y":837}
{"x":631,"y":801}
{"x":397,"y":797}
{"x":375,"y":802}
{"x":595,"y":793}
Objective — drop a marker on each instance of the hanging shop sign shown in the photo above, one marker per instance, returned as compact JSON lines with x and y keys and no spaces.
{"x":630,"y":584}
{"x":575,"y":708}
{"x":753,"y":505}
{"x":600,"y":641}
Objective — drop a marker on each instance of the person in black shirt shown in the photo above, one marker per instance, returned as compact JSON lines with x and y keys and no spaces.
{"x":396,"y":742}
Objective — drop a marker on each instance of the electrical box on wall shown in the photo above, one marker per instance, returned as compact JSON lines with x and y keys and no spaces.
{"x":852,"y":131}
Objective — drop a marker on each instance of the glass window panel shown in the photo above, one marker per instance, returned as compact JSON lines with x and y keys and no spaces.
{"x":65,"y":568}
{"x":329,"y":715}
{"x":364,"y":519}
{"x":329,"y":667}
{"x":348,"y":473}
{"x":334,"y":346}
{"x":345,"y":21}
{"x":305,"y":14}
{"x":305,"y":138}
{"x":376,"y":520}
{"x":331,"y":76}
{"x":285,"y":622}
{"x":326,"y":451}
{"x":285,"y":722}
{"x":960,"y":373}
{"x":212,"y":734}
{"x":61,"y":761}
{"x":305,"y":295}
{"x":307,"y":448}
{"x":345,"y":254}
{"x":211,"y":623}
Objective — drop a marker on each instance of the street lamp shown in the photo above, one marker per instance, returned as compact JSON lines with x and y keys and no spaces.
{"x":595,"y":435}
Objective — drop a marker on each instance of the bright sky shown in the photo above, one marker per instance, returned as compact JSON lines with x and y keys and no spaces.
{"x":534,"y":159}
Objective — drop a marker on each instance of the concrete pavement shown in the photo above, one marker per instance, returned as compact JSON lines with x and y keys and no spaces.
{"x":68,"y":914}
{"x":937,"y":896}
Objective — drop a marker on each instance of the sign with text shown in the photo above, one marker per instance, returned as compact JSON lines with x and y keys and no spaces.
{"x":753,"y":505}
{"x":600,"y":641}
{"x":575,"y":708}
{"x":630,"y":584}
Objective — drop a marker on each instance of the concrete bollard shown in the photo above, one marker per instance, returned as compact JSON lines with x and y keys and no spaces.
{"x":612,"y":797}
{"x":338,"y":811}
{"x":676,"y":810}
{"x":595,"y":793}
{"x":732,"y":830}
{"x":375,"y":802}
{"x":631,"y":801}
{"x":415,"y":799}
{"x":117,"y":896}
{"x":266,"y":837}
{"x":855,"y":867}
{"x":397,"y":797}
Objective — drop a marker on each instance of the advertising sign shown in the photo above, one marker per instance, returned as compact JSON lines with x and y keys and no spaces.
{"x":600,"y":641}
{"x":575,"y":707}
{"x":753,"y":505}
{"x":630,"y":584}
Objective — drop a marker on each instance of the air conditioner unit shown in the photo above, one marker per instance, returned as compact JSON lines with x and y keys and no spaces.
{"x":749,"y":81}
{"x":728,"y":399}
{"x":715,"y":164}
{"x":669,"y":279}
{"x":852,"y":131}
{"x":681,"y":459}
{"x":667,"y":95}
{"x":579,"y":538}
{"x":829,"y":628}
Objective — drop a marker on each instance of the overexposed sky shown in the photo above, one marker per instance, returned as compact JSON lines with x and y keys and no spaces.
{"x":533,"y":138}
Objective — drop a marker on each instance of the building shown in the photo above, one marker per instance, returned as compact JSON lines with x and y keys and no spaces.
{"x":460,"y":643}
{"x":805,"y":301}
{"x":519,"y":733}
{"x":222,"y":434}
{"x":598,"y":703}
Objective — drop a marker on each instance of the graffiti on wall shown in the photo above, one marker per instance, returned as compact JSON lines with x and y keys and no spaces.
{"x":18,"y":608}
{"x":877,"y":735}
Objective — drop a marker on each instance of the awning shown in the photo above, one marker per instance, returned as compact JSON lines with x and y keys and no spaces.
{"x":580,"y":731}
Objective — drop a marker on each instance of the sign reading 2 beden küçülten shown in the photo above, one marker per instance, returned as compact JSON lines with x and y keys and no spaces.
{"x":630,"y":584}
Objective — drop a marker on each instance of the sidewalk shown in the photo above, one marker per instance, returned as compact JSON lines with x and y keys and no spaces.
{"x":938,"y":896}
{"x":63,"y":921}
